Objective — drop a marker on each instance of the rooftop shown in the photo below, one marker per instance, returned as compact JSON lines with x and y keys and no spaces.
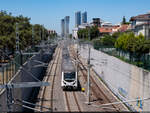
{"x":124,"y":28}
{"x":141,"y":17}
{"x":105,"y":29}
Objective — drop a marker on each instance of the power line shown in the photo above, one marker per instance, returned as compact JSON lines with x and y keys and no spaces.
{"x":133,"y":100}
{"x":29,"y":103}
{"x":21,"y":66}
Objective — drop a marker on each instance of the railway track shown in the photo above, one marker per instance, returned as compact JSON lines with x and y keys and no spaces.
{"x":72,"y":103}
{"x":52,"y":89}
{"x":100,"y":96}
{"x":47,"y":92}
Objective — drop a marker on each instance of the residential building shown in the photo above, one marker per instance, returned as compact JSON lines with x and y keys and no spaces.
{"x":96,"y":22}
{"x":82,"y":26}
{"x":84,"y":17}
{"x":124,"y":28}
{"x":77,"y":19}
{"x":51,"y":31}
{"x":75,"y":33}
{"x":62,"y":27}
{"x":113,"y":28}
{"x":141,"y":24}
{"x":105,"y":30}
{"x":106,"y":24}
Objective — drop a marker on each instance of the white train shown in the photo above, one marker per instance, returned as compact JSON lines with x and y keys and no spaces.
{"x":69,"y":75}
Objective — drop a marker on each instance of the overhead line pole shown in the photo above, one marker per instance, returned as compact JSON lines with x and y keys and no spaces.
{"x":88,"y":92}
{"x":33,"y":36}
{"x":17,"y":39}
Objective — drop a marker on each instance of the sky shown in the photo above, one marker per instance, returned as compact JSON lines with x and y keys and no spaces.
{"x":50,"y":12}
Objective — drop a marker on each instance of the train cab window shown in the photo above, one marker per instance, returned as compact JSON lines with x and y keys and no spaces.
{"x":69,"y":76}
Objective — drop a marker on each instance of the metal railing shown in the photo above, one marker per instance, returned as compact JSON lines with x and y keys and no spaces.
{"x":8,"y":70}
{"x":141,"y":61}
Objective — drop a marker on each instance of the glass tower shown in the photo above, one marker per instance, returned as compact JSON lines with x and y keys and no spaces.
{"x":67,"y":26}
{"x":84,"y":17}
{"x":77,"y":19}
{"x":62,"y":27}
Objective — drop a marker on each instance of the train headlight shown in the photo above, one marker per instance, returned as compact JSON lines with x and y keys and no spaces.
{"x":74,"y":82}
{"x":64,"y":82}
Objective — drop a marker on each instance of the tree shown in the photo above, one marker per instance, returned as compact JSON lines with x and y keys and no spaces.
{"x":70,"y":35}
{"x":8,"y":29}
{"x":108,"y":40}
{"x":124,"y":20}
{"x":116,"y":34}
{"x":92,"y":31}
{"x":83,"y":33}
{"x":136,"y":45}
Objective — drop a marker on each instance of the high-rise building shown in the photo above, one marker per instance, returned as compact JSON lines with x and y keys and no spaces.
{"x":77,"y":19}
{"x":84,"y":17}
{"x":67,"y":26}
{"x":62,"y":27}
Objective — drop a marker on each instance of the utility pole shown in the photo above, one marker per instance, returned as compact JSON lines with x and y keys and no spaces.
{"x":77,"y":48}
{"x":33,"y":36}
{"x":40,"y":34}
{"x":89,"y":76}
{"x":18,"y":51}
{"x":88,"y":92}
{"x":43,"y":35}
{"x":17,"y":39}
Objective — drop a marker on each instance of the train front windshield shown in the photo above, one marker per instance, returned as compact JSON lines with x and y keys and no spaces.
{"x":69,"y":76}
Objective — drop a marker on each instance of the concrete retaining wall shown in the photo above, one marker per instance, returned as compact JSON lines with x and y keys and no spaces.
{"x":126,"y":81}
{"x":23,"y":76}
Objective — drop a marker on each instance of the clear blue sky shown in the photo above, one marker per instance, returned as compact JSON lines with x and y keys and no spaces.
{"x":50,"y":12}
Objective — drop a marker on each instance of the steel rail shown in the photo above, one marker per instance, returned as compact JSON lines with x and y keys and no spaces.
{"x":97,"y":94}
{"x":48,"y":76}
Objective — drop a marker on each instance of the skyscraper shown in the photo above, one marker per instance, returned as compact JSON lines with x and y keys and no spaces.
{"x":67,"y":26}
{"x":77,"y":19}
{"x":62,"y":27}
{"x":84,"y":17}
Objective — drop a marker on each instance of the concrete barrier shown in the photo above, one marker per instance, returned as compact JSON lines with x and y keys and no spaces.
{"x":127,"y":81}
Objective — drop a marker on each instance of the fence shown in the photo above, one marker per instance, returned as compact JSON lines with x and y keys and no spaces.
{"x":8,"y":70}
{"x":142,"y":60}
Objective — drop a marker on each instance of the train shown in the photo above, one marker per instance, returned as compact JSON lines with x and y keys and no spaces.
{"x":68,"y":71}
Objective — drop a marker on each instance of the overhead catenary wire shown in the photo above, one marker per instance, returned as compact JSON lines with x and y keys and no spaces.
{"x":25,"y":102}
{"x":113,"y":103}
{"x":28,"y":107}
{"x":21,"y":66}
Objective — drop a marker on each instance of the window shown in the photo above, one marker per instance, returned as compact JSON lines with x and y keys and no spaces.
{"x":69,"y":76}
